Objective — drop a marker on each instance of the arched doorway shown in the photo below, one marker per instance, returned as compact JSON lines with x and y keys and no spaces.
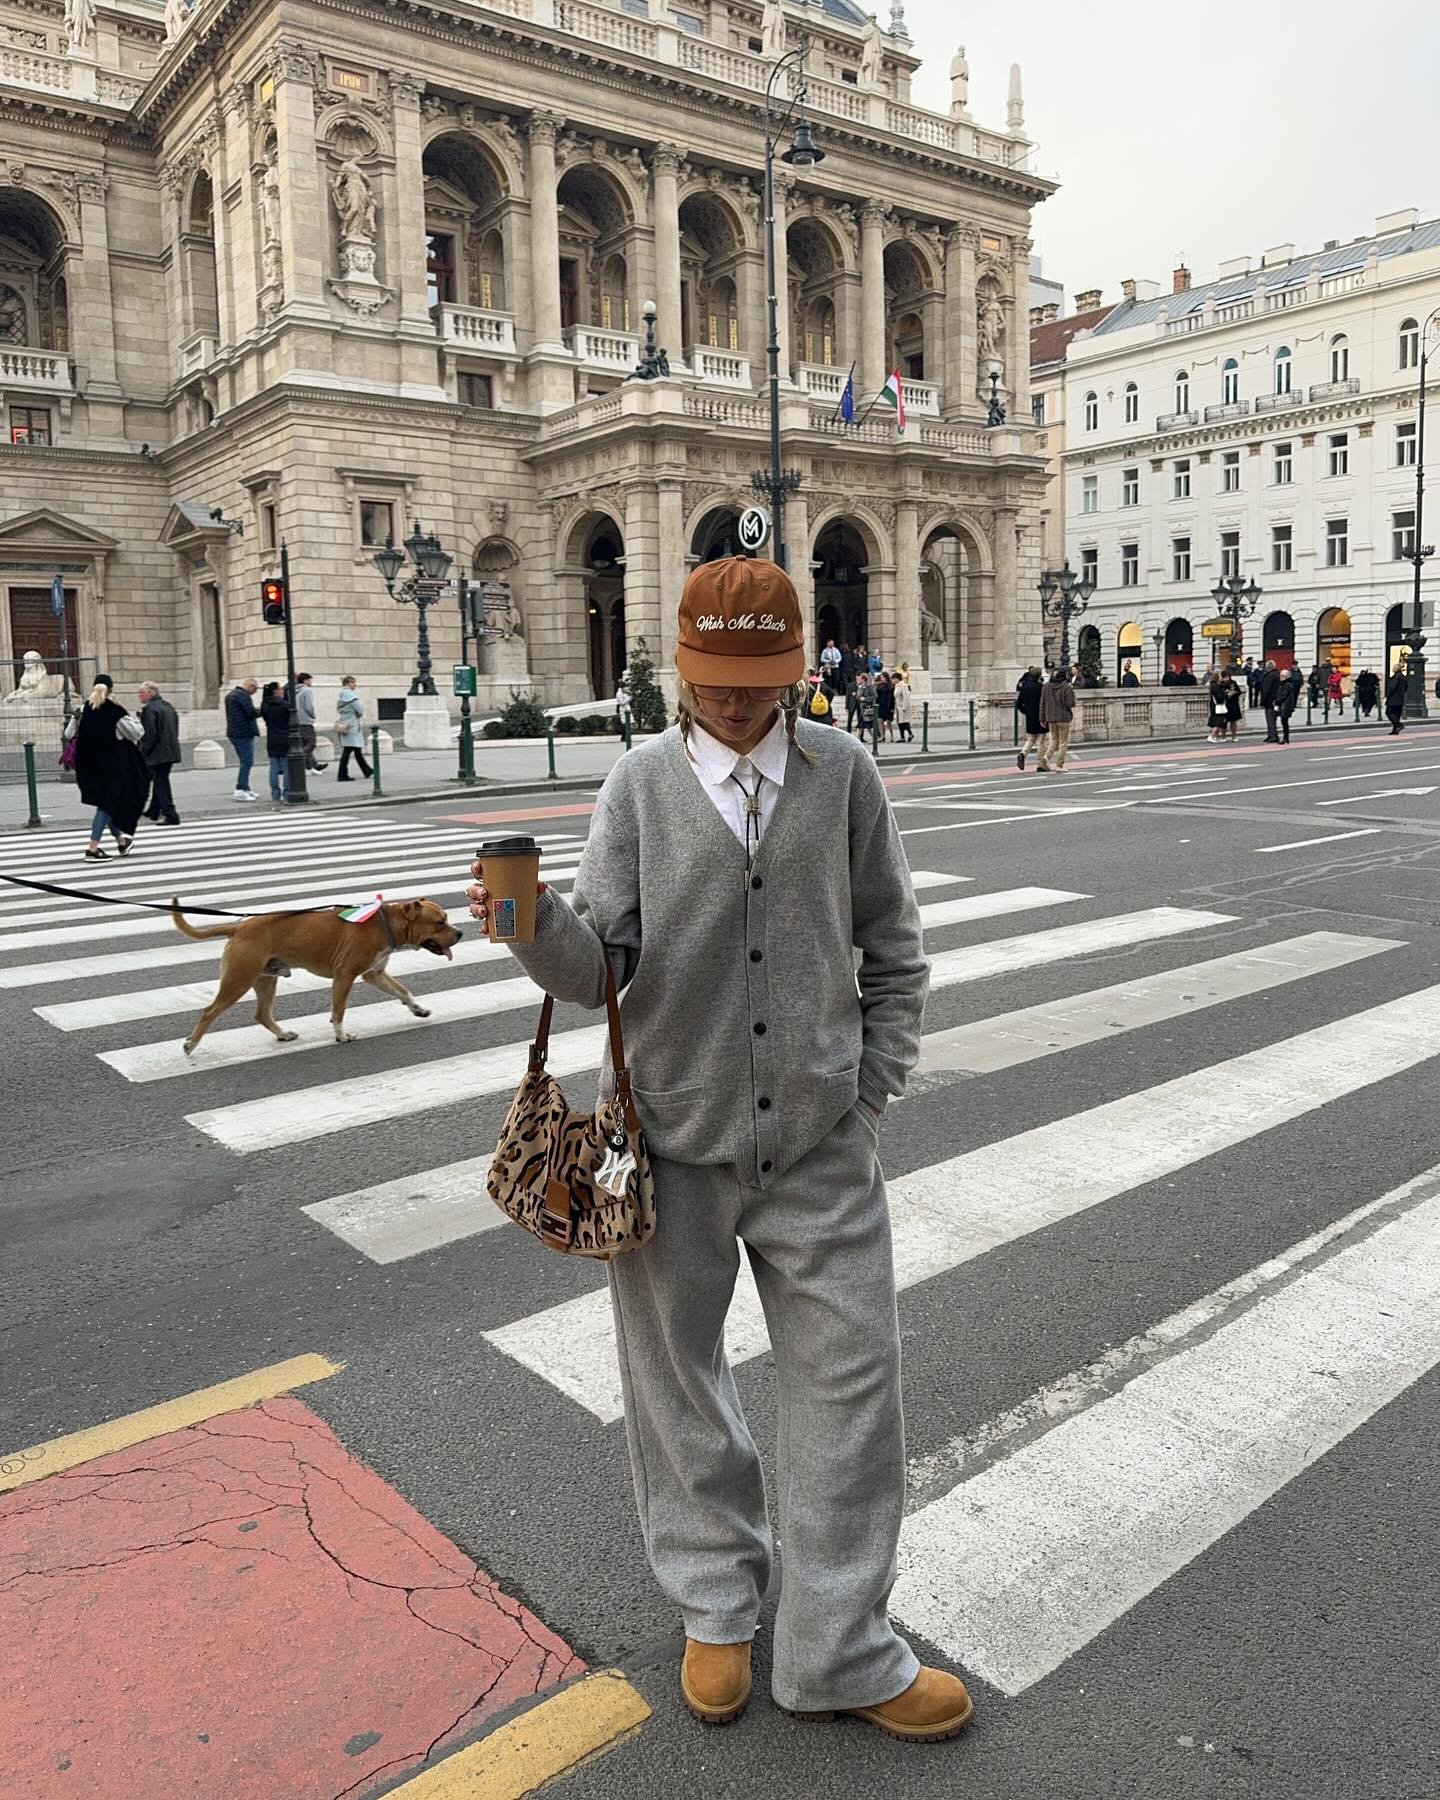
{"x":1277,"y":643}
{"x":715,"y":536}
{"x":1332,"y":639}
{"x":1089,"y":658}
{"x":945,"y":565}
{"x":1396,"y":649}
{"x":1179,"y":648}
{"x":1130,"y":647}
{"x":842,"y":589}
{"x":495,"y":566}
{"x":597,"y":551}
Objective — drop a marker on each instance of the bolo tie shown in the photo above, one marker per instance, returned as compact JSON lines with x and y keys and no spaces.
{"x":752,"y":818}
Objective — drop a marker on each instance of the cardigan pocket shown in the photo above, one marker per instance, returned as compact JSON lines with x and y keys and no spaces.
{"x":668,"y":1117}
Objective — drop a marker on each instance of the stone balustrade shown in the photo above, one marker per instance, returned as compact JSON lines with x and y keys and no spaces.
{"x":617,"y":352}
{"x":42,"y":371}
{"x":719,"y":368}
{"x":1102,"y":715}
{"x":475,"y":328}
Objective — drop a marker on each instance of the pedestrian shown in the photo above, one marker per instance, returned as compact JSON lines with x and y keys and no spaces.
{"x":1313,"y":687}
{"x":1185,"y":676}
{"x":761,"y":1108}
{"x":877,"y":663}
{"x":1234,"y":705}
{"x":1057,"y":710}
{"x":1287,"y":699}
{"x":885,"y":706}
{"x":1395,"y":701}
{"x":864,"y":696}
{"x":1128,"y":677}
{"x":109,"y":769}
{"x":1367,"y":692}
{"x":1218,"y":718}
{"x":275,"y":711}
{"x":349,"y":711}
{"x":845,"y":667}
{"x":624,"y":702}
{"x":160,"y":751}
{"x":1254,"y":675}
{"x":821,"y":707}
{"x":305,"y":717}
{"x":1335,"y":687}
{"x":1269,"y":692}
{"x":1027,"y":703}
{"x":904,"y":707}
{"x":242,"y":728}
{"x":830,"y":661}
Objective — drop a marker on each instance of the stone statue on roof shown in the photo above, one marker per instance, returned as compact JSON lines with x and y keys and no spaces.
{"x":772,"y":29}
{"x":872,"y":55}
{"x":959,"y":81}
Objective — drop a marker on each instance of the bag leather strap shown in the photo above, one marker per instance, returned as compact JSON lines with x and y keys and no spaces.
{"x":540,"y":1048}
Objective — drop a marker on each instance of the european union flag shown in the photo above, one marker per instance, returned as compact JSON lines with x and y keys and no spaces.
{"x":847,"y":400}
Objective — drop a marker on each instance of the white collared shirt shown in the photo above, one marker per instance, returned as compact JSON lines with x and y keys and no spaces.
{"x":714,"y":763}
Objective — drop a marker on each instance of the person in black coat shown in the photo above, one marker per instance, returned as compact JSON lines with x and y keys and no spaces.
{"x":1287,"y":698}
{"x":109,"y":769}
{"x":1395,"y":701}
{"x":1027,"y":702}
{"x":1269,"y":692}
{"x":1367,"y":691}
{"x":160,"y":751}
{"x":1234,"y":705}
{"x":275,"y":712}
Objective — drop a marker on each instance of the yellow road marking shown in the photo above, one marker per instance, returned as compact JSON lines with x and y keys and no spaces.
{"x":549,"y":1740}
{"x":60,"y":1453}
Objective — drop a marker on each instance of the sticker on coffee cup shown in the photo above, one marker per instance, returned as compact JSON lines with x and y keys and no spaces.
{"x":502,"y":914}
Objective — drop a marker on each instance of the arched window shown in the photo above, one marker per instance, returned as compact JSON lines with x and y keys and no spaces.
{"x":489,"y":273}
{"x":12,"y":317}
{"x":1340,"y":358}
{"x":1182,"y":391}
{"x":722,"y":320}
{"x":1092,"y":410}
{"x":1132,"y":403}
{"x":614,"y":295}
{"x":1230,"y":382}
{"x":1282,"y":369}
{"x":820,"y":333}
{"x":1409,"y":344}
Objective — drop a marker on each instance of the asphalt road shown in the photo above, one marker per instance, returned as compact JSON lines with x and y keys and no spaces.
{"x":1172,"y":1412}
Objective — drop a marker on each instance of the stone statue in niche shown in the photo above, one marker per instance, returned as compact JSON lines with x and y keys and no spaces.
{"x":959,"y":81}
{"x":79,"y":24}
{"x":932,"y":630}
{"x":354,"y":198}
{"x":772,"y":29}
{"x":989,"y":327}
{"x":36,"y":682}
{"x":354,"y":204}
{"x":176,"y":13}
{"x":872,"y":55}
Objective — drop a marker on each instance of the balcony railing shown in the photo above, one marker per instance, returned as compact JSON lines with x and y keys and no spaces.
{"x":922,"y":397}
{"x":820,"y":380}
{"x":1278,"y":402}
{"x":476,"y":329}
{"x":719,"y":368}
{"x":617,"y":352}
{"x":1232,"y":409}
{"x":1173,"y":421}
{"x":1335,"y":390}
{"x":40,"y":371}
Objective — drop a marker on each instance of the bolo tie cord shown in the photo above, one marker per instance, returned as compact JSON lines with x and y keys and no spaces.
{"x":752,"y":818}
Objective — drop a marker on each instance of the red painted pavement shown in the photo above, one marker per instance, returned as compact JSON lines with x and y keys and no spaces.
{"x":244,"y":1611}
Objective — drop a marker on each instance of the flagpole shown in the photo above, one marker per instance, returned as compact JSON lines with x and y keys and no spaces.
{"x":841,"y":401}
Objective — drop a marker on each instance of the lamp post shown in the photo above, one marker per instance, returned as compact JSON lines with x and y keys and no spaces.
{"x":1064,"y":595}
{"x":996,"y":413}
{"x":653,"y":363}
{"x":803,"y":153}
{"x":1236,"y":600}
{"x":1415,"y":706}
{"x":1157,"y":638}
{"x":422,"y":590}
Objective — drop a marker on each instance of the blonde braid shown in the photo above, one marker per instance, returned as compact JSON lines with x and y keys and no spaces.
{"x":789,"y":704}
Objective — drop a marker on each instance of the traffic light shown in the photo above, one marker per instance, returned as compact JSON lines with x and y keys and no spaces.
{"x":272,"y":601}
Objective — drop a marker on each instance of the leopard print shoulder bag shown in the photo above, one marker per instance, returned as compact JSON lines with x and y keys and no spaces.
{"x":580,"y":1182}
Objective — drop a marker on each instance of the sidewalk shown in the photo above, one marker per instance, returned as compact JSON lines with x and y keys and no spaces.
{"x":408,"y":775}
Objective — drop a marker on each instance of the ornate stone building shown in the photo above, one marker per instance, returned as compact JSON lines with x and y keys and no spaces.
{"x":275,"y":269}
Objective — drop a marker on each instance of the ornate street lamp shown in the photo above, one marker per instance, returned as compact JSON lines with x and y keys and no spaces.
{"x":996,"y":413}
{"x":1415,"y":705}
{"x":1064,"y":595}
{"x":653,"y":363}
{"x":431,"y":562}
{"x":1157,"y":638}
{"x":775,"y":482}
{"x":1235,"y":600}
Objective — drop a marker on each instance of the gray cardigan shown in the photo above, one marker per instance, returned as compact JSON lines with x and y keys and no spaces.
{"x":747,"y":1035}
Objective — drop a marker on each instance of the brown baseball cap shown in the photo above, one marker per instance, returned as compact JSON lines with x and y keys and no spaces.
{"x":740,"y":626}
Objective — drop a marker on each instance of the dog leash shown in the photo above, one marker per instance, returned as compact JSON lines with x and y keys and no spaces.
{"x":204,"y":912}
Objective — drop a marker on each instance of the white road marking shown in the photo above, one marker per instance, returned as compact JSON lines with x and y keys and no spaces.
{"x":1015,"y":1570}
{"x":1384,"y":794}
{"x":1338,"y":837}
{"x":954,"y":1211}
{"x":932,"y":878}
{"x":1003,"y":1042}
{"x":1275,"y":787}
{"x":404,"y":1218}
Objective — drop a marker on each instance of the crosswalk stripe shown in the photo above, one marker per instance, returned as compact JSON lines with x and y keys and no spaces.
{"x":1016,"y":1569}
{"x":956,"y":1210}
{"x":237,"y":835}
{"x":444,"y":878}
{"x":399,"y":1219}
{"x":224,"y":1048}
{"x":932,"y":878}
{"x":1003,"y":1041}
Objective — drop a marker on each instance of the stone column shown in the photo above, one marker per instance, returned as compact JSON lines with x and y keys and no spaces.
{"x":643,"y":608}
{"x":94,"y":331}
{"x":960,"y":377}
{"x":1005,"y":636}
{"x":545,"y":231}
{"x":1017,"y":345}
{"x":907,"y":583}
{"x":783,"y":185}
{"x":304,"y":208}
{"x":407,"y":239}
{"x":220,"y":226}
{"x":665,"y":174}
{"x":872,"y":298}
{"x":241,"y":275}
{"x":672,"y":572}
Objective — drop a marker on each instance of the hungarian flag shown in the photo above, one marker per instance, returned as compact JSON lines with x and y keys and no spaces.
{"x":357,"y":915}
{"x":893,"y":394}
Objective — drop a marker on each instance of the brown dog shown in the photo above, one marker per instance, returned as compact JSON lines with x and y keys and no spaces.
{"x":264,"y":948}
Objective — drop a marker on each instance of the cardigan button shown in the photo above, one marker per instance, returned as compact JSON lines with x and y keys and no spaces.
{"x":756,"y":955}
{"x":766,"y":1167}
{"x":763,"y":1103}
{"x":760,"y":1029}
{"x":756,"y":882}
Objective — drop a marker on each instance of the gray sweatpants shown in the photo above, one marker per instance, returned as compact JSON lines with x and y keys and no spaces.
{"x":819,"y":1245}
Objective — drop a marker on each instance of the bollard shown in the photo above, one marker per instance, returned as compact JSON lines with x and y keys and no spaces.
{"x":625,"y":732}
{"x":875,"y":734}
{"x":376,"y":791}
{"x":924,"y":727}
{"x":550,"y":754}
{"x":33,"y":822}
{"x":972,"y":724}
{"x":1325,"y":717}
{"x":1307,"y":708}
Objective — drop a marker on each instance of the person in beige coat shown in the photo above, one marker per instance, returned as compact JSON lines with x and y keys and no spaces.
{"x":1057,"y":709}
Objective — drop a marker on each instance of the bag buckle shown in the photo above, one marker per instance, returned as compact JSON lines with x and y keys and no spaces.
{"x":556,"y":1226}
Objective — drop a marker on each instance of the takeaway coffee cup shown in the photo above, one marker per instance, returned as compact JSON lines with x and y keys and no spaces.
{"x":509,"y":870}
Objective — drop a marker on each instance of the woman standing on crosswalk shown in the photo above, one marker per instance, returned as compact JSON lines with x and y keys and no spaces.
{"x":761,"y":1071}
{"x":108,"y":767}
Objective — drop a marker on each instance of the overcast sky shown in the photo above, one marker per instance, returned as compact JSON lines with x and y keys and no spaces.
{"x":1201,"y":132}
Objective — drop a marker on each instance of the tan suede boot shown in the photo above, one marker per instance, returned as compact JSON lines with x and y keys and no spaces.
{"x":715,"y":1680}
{"x":935,"y":1706}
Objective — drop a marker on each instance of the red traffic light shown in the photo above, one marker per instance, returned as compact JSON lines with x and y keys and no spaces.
{"x":272,"y":601}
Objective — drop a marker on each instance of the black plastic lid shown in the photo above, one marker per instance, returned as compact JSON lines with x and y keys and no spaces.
{"x":510,"y":846}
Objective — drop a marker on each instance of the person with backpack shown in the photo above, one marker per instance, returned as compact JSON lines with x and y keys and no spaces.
{"x":821,"y":706}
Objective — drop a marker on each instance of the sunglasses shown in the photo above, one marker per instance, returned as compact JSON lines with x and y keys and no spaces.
{"x":762,"y":696}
